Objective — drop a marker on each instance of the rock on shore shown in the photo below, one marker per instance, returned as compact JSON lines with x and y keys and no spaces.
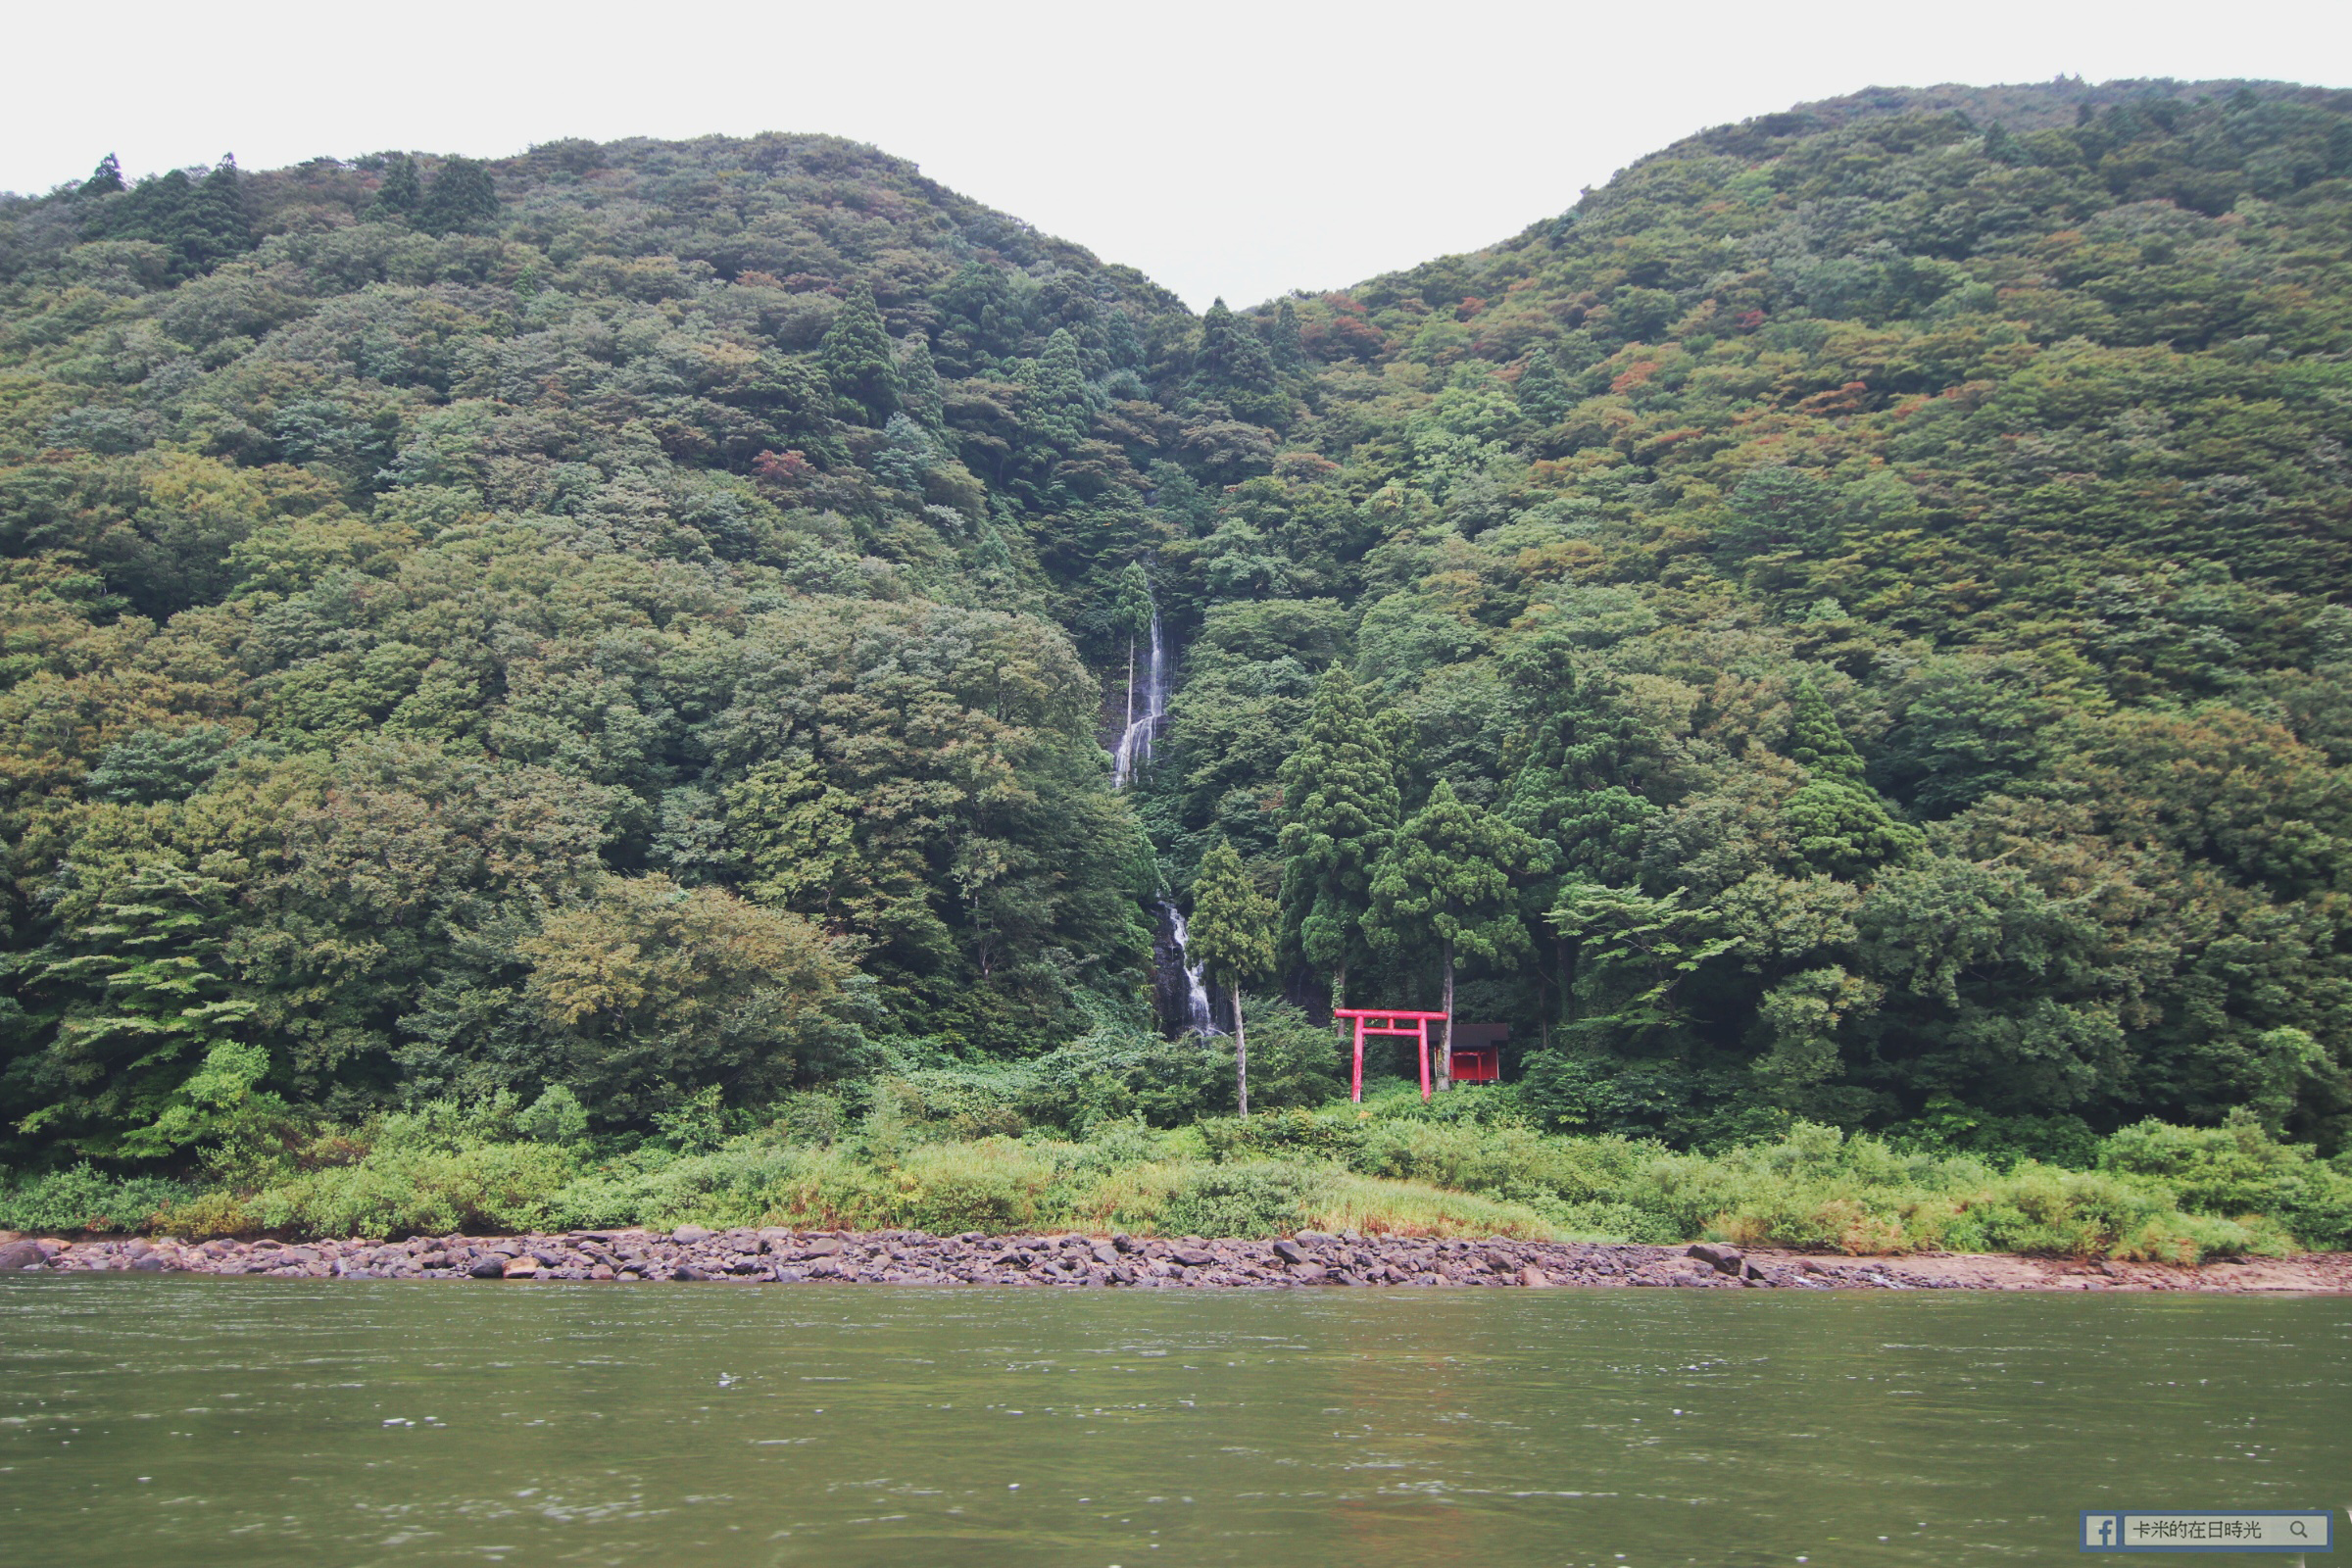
{"x":1310,"y":1257}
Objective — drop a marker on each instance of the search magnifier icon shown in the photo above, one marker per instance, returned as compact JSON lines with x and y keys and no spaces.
{"x":2294,"y":1526}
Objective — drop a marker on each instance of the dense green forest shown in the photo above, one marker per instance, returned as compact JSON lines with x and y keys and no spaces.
{"x":1847,"y":624}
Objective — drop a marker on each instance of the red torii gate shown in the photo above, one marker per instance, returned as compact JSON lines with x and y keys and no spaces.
{"x":1388,"y":1022}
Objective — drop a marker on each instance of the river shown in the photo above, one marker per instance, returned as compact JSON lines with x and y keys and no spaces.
{"x":182,"y":1421}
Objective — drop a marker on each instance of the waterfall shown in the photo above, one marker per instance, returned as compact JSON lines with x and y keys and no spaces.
{"x":1182,"y":999}
{"x":1135,"y":746}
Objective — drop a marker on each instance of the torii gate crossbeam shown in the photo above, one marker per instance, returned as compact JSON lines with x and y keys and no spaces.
{"x":1388,"y":1022}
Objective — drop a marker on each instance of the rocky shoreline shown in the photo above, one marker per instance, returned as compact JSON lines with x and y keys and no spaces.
{"x":1309,"y":1258}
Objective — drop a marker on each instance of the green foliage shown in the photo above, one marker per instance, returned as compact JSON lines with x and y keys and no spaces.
{"x":1880,"y":578}
{"x":1233,"y":922}
{"x":858,"y":361}
{"x":1268,"y":1197}
{"x":462,"y":197}
{"x":1448,"y":878}
{"x":1340,"y":810}
{"x":82,"y":1197}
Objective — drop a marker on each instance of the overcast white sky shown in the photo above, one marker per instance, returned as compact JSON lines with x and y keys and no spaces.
{"x":1233,"y":149}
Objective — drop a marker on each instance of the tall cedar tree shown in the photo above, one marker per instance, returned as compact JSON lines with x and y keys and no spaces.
{"x":460,"y":198}
{"x":920,"y":394}
{"x":401,"y":195}
{"x":1577,"y":788}
{"x":856,"y":359}
{"x":1285,"y":343}
{"x":1447,"y":879}
{"x":1340,"y":809}
{"x":1840,"y":824}
{"x":1542,"y":395}
{"x":1232,"y":936}
{"x":1233,"y":358}
{"x":106,"y":178}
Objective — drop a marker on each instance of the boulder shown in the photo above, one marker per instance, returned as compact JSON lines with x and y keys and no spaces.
{"x":1290,"y":1251}
{"x":1725,"y":1258}
{"x":1533,"y":1276}
{"x":16,"y":1255}
{"x":689,"y":1234}
{"x":489,"y":1268}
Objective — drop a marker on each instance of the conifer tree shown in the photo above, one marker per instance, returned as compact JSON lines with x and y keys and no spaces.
{"x":920,"y":392}
{"x":1838,"y":822}
{"x":1232,"y":936}
{"x":1232,"y":358}
{"x":1284,"y":343}
{"x":1816,"y":741}
{"x":1063,"y":407}
{"x":401,"y":195}
{"x":105,"y":180}
{"x":1542,"y":395}
{"x":1340,"y":809}
{"x":1121,"y":341}
{"x":1447,"y":879}
{"x":462,"y":197}
{"x":1577,"y":787}
{"x":855,"y":356}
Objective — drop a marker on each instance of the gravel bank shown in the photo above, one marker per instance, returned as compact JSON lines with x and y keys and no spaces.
{"x":1309,"y":1258}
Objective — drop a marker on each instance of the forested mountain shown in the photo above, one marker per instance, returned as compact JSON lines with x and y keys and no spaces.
{"x":1848,"y":620}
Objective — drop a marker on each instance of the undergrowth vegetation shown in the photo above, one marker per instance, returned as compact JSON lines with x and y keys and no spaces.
{"x":1057,"y":1145}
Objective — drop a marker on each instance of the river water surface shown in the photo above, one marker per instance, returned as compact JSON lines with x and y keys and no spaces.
{"x":155,"y":1421}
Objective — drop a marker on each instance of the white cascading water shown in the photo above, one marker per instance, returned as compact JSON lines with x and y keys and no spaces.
{"x":1135,"y":746}
{"x":1199,"y":1018}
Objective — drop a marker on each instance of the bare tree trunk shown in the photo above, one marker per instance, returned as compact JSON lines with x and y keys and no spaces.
{"x":1445,"y":1051}
{"x":1241,"y":1054}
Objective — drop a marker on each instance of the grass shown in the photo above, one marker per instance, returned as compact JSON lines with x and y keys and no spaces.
{"x":948,"y":1157}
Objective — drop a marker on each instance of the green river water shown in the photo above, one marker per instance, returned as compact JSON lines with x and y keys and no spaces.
{"x":174,"y":1421}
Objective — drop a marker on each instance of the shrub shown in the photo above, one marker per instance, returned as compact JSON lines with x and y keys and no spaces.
{"x":995,"y":1185}
{"x":1263,"y":1197}
{"x":2237,"y":1171}
{"x":1282,"y":1135}
{"x":1291,"y":1062}
{"x":84,"y":1199}
{"x":1116,"y":1074}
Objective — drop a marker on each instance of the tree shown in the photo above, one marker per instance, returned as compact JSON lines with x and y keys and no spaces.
{"x":658,"y":991}
{"x":1232,"y":938}
{"x":1284,"y":342}
{"x":1837,"y":823}
{"x":1339,"y":812}
{"x":105,"y":180}
{"x":462,"y":197}
{"x":1132,"y":613}
{"x":1542,"y":395}
{"x":1635,"y":953}
{"x":146,"y":1057}
{"x":920,"y":391}
{"x":1233,"y":365}
{"x":400,"y":197}
{"x":1816,"y":741}
{"x":1447,"y":879}
{"x":856,"y":359}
